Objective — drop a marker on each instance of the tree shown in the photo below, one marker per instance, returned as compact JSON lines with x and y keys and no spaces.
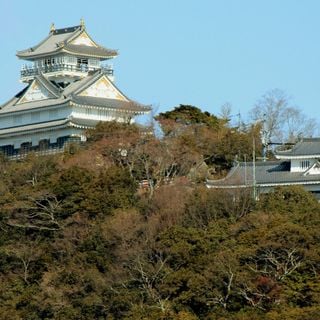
{"x":187,"y":115}
{"x":27,"y":255}
{"x":281,"y":121}
{"x":113,"y":189}
{"x":38,"y":213}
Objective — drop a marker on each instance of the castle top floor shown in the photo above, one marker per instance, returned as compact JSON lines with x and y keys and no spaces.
{"x":65,"y":54}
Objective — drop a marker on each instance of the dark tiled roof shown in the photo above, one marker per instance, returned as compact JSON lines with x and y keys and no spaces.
{"x":266,"y":173}
{"x":66,"y":30}
{"x":306,"y":147}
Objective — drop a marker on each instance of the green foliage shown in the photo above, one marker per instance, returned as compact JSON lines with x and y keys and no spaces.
{"x":188,"y":115}
{"x":71,"y":188}
{"x":112,"y":129}
{"x":113,"y":189}
{"x":289,"y":199}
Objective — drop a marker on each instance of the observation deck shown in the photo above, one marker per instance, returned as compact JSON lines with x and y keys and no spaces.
{"x":27,"y":73}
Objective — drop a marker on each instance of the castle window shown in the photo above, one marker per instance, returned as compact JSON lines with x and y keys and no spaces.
{"x":44,"y":144}
{"x":81,"y":61}
{"x":82,"y":64}
{"x":304,"y":164}
{"x":47,"y":62}
{"x":25,"y":146}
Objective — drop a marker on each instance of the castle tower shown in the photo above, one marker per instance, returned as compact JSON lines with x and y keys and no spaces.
{"x":69,"y":89}
{"x":66,"y":55}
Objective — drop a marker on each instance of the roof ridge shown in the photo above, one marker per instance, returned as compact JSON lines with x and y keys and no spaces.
{"x":229,"y":175}
{"x":69,"y":90}
{"x":88,"y":81}
{"x":261,"y":163}
{"x":48,"y":85}
{"x":310,"y":139}
{"x":73,"y":35}
{"x":65,"y":30}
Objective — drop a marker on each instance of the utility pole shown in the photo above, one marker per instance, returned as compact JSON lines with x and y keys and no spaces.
{"x":265,"y":139}
{"x":245,"y":170}
{"x":254,"y":169}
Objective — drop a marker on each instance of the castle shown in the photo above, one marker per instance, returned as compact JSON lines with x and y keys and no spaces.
{"x":69,"y":88}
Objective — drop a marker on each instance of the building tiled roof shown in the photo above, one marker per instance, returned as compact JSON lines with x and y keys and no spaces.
{"x":98,"y":52}
{"x":59,"y":41}
{"x":269,"y":173}
{"x":52,"y":88}
{"x":110,"y":103}
{"x":305,"y":148}
{"x":44,"y":126}
{"x":70,"y":94}
{"x":12,"y":106}
{"x":82,"y":123}
{"x":77,"y":86}
{"x":36,"y":127}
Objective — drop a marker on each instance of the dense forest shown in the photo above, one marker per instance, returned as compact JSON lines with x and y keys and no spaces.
{"x":123,"y":227}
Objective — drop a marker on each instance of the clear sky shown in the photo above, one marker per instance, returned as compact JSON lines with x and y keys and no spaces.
{"x":199,"y":52}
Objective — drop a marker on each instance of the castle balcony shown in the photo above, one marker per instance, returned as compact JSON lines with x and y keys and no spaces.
{"x":27,"y":73}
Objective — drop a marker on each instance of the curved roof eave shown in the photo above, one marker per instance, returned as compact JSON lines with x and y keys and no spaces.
{"x":289,"y":157}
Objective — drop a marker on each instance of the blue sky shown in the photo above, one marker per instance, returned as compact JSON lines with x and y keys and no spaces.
{"x":199,"y":52}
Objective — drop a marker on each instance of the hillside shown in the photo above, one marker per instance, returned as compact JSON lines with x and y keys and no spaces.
{"x":82,"y":238}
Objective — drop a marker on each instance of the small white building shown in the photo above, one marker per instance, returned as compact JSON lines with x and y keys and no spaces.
{"x":299,"y":165}
{"x":68,"y":90}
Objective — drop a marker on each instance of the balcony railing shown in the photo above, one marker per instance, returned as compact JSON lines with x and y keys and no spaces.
{"x":27,"y":71}
{"x":63,"y":145}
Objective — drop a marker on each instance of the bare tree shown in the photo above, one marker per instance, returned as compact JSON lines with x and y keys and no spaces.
{"x":38,"y":213}
{"x":149,"y":275}
{"x":277,"y":263}
{"x":281,"y":122}
{"x":25,"y":254}
{"x":298,"y":124}
{"x":225,"y":111}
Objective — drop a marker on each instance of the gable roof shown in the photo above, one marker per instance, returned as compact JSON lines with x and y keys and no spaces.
{"x":313,"y":169}
{"x":117,"y":100}
{"x":72,"y":94}
{"x":44,"y":88}
{"x":304,"y":149}
{"x":61,"y":40}
{"x":104,"y":86}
